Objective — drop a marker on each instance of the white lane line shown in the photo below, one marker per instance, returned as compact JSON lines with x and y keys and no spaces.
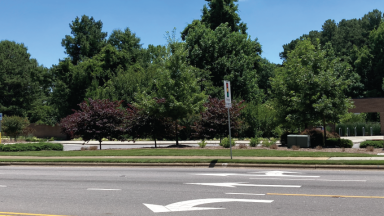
{"x":311,"y":179}
{"x":246,"y":194}
{"x":3,"y":185}
{"x":238,"y":184}
{"x":103,"y":189}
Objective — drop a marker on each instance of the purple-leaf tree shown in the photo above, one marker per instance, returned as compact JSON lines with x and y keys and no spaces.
{"x":214,"y":121}
{"x":97,"y":119}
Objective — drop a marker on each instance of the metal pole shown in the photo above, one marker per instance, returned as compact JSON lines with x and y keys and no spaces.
{"x":371,"y":131}
{"x":340,"y":131}
{"x":347,"y":131}
{"x":355,"y":132}
{"x":229,"y":126}
{"x":363,"y":131}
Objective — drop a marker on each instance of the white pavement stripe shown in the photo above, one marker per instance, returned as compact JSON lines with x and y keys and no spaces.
{"x":311,"y":180}
{"x":3,"y":185}
{"x":238,"y":184}
{"x":103,"y":189}
{"x":246,"y":194}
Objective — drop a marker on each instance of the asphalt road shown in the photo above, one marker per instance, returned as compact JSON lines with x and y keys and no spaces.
{"x":168,"y":191}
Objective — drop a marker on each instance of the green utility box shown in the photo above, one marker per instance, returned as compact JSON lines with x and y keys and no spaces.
{"x":303,"y":141}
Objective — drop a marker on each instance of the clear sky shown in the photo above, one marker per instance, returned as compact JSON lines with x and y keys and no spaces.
{"x":42,"y":24}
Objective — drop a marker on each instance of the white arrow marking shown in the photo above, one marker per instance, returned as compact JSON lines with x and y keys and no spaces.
{"x":101,"y":189}
{"x":234,"y":184}
{"x":189,"y":205}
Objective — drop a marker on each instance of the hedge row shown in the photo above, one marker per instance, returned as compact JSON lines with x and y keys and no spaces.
{"x":31,"y":147}
{"x":342,"y":143}
{"x":375,"y":144}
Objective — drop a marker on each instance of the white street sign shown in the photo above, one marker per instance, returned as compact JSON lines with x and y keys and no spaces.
{"x":241,"y":184}
{"x":189,"y":205}
{"x":227,"y":94}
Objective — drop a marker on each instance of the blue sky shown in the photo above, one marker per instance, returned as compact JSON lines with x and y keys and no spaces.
{"x":42,"y":24}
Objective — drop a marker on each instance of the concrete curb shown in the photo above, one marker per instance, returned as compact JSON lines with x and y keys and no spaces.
{"x":210,"y":165}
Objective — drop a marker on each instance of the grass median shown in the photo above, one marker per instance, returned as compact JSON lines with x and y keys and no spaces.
{"x":187,"y":152}
{"x":210,"y":161}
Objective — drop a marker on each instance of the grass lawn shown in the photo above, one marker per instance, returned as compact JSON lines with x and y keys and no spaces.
{"x":187,"y":152}
{"x":219,"y":161}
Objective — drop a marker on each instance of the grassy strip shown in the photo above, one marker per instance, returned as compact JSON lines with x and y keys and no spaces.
{"x":219,"y":161}
{"x":188,"y":152}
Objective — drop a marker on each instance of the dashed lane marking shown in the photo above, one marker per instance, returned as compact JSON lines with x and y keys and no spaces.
{"x":332,"y":196}
{"x":311,"y":180}
{"x":103,"y":189}
{"x":26,"y":214}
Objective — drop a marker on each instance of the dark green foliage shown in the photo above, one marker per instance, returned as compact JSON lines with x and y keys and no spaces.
{"x":219,"y":12}
{"x":341,"y":143}
{"x":87,"y":40}
{"x":14,"y":126}
{"x":225,"y":142}
{"x":31,"y":147}
{"x":24,"y":84}
{"x":228,"y":56}
{"x":375,"y":144}
{"x":254,"y":142}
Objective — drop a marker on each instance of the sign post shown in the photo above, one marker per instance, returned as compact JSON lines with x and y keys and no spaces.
{"x":1,"y":118}
{"x":228,"y":104}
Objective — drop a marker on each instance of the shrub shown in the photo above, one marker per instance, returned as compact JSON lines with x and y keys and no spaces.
{"x":295,"y":147}
{"x":52,"y":139}
{"x":225,"y":142}
{"x":316,"y":136}
{"x":319,"y":147}
{"x":274,"y":146}
{"x":342,"y":143}
{"x":243,"y":146}
{"x":375,"y":144}
{"x":31,"y":147}
{"x":32,"y":139}
{"x":370,"y":148}
{"x":14,"y":126}
{"x":376,"y":128}
{"x":93,"y":148}
{"x":202,"y":144}
{"x":254,"y":142}
{"x":269,"y":142}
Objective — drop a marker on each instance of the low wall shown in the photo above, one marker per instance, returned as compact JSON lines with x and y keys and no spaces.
{"x":44,"y":131}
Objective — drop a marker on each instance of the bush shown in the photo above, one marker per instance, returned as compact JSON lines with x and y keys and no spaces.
{"x":375,"y":144}
{"x":14,"y":126}
{"x":254,"y":142}
{"x":269,"y":142}
{"x":316,"y":136}
{"x":284,"y":138}
{"x":376,"y":128}
{"x":342,"y":143}
{"x":32,"y":139}
{"x":31,"y":147}
{"x":202,"y":144}
{"x":225,"y":142}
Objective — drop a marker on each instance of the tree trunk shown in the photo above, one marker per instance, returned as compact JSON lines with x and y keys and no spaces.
{"x":154,"y":134}
{"x":325,"y":132}
{"x":177,"y":137}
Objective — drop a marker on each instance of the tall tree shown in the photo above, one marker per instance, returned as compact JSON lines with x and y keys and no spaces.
{"x":177,"y":85}
{"x":87,"y":40}
{"x":311,"y":86}
{"x":22,"y":80}
{"x":226,"y":55}
{"x":219,"y":12}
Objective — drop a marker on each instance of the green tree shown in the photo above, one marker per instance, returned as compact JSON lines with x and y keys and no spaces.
{"x":14,"y":126}
{"x":87,"y":40}
{"x":226,"y":55}
{"x":219,"y":12}
{"x":311,"y":86}
{"x":24,"y":84}
{"x":177,"y":87}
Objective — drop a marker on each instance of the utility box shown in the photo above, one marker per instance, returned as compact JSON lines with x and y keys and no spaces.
{"x":303,"y":141}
